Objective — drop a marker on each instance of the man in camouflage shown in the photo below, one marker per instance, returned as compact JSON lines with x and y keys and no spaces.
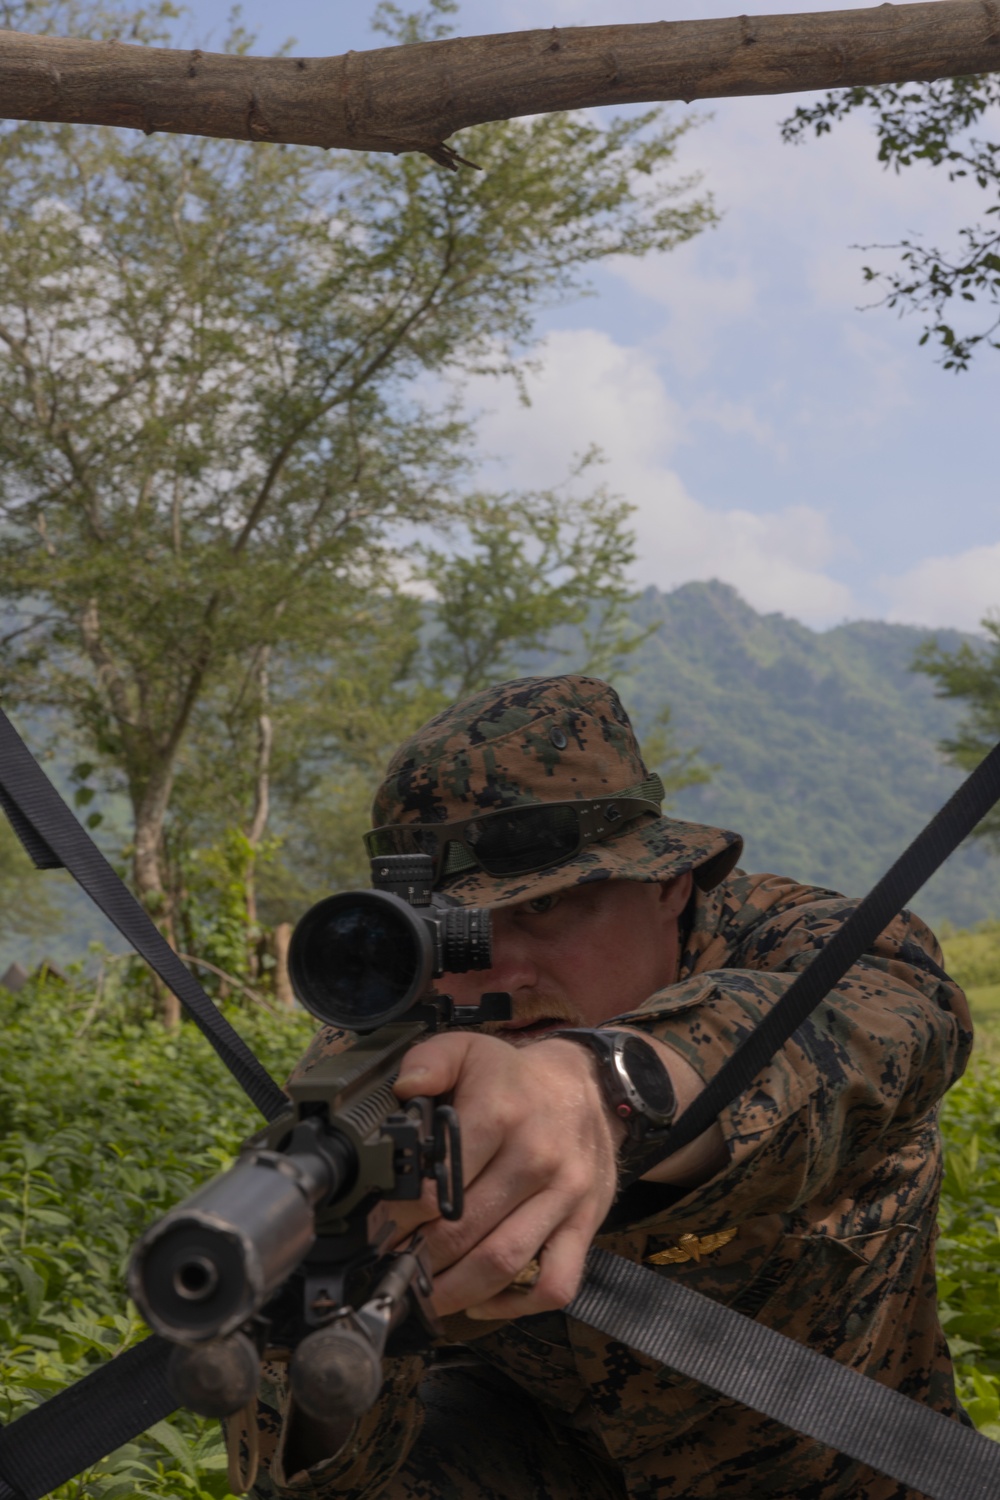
{"x":809,"y":1205}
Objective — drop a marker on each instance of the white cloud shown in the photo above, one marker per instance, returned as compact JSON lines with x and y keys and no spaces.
{"x":959,"y":590}
{"x":591,"y":390}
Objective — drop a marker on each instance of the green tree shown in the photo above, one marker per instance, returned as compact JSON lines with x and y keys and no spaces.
{"x":528,"y":582}
{"x":935,"y":123}
{"x":26,"y":908}
{"x":224,"y":413}
{"x":678,"y":767}
{"x":971,"y":674}
{"x":526,"y":567}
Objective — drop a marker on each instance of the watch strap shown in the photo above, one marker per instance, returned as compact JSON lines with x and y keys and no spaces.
{"x":621,"y":1093}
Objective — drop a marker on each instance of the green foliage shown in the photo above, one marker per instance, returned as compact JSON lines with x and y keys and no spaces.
{"x":969,"y":1247}
{"x":24,"y":908}
{"x":971,"y":676}
{"x":403,"y":27}
{"x":211,"y":917}
{"x":226,"y":419}
{"x":823,"y":744}
{"x":90,"y":18}
{"x":677,"y":768}
{"x":526,"y":565}
{"x":930,"y":122}
{"x":973,"y":957}
{"x":105,"y":1120}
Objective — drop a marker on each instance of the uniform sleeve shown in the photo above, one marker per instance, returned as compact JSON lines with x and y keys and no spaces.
{"x":848,"y":1090}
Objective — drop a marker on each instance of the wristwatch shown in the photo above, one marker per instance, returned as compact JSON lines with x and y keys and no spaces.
{"x":635,"y":1084}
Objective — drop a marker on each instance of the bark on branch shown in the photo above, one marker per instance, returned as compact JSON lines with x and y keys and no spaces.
{"x":413,"y":98}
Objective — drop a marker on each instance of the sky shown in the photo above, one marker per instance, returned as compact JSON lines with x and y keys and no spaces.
{"x":770,"y":430}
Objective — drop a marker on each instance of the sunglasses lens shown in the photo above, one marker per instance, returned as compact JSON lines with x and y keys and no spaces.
{"x":525,"y":838}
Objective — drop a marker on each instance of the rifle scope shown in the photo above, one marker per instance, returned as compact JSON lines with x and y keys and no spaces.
{"x":361,"y":959}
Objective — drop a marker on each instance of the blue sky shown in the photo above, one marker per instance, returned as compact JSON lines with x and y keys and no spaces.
{"x":770,"y":432}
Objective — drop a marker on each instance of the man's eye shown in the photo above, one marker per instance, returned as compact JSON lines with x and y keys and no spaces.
{"x":542,"y":904}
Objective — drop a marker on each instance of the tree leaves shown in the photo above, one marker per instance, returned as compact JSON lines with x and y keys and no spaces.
{"x":972,"y":676}
{"x":226,"y":419}
{"x":932,"y":123}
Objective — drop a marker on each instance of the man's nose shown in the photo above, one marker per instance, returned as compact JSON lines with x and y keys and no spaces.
{"x":514,"y":967}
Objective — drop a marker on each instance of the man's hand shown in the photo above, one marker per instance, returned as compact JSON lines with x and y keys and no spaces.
{"x":538,"y":1149}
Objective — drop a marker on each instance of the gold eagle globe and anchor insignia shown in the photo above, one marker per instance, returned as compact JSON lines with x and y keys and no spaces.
{"x":691,"y":1247}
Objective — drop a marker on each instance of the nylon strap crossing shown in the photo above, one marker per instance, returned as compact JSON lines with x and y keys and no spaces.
{"x":914,"y":867}
{"x":53,"y":837}
{"x":79,"y":1426}
{"x":652,"y":1314}
{"x":785,"y":1380}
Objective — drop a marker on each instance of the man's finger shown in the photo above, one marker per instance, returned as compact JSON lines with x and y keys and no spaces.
{"x":482,"y":1077}
{"x":489,"y":1267}
{"x":489,"y":1199}
{"x":560,"y":1271}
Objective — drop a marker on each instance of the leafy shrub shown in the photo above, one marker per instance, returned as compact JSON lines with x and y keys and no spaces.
{"x":106,"y":1120}
{"x":969,"y":1247}
{"x":973,"y":955}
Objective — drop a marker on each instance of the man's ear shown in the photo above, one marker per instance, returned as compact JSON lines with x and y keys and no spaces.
{"x":675,"y":894}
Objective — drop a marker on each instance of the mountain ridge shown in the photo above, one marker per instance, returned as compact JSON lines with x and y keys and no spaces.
{"x":825,"y":742}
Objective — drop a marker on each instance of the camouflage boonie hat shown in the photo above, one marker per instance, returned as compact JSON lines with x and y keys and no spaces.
{"x":543,"y":739}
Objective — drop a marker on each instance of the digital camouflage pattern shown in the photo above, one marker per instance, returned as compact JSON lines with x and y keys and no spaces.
{"x":832,"y":1184}
{"x":543,"y":739}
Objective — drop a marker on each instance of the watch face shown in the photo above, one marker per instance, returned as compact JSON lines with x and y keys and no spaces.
{"x":649,"y":1077}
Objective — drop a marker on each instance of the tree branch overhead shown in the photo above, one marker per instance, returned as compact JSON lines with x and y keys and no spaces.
{"x":413,"y":98}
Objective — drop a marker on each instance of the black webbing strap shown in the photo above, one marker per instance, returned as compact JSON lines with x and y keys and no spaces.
{"x":775,"y":1375}
{"x":914,"y":867}
{"x":82,"y":1424}
{"x":652,"y":1314}
{"x":655,"y":1316}
{"x":53,"y":837}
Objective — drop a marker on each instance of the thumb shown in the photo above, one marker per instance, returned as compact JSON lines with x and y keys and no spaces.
{"x":433,"y":1067}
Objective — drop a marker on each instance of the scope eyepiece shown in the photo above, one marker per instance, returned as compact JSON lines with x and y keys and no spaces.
{"x":361,"y":959}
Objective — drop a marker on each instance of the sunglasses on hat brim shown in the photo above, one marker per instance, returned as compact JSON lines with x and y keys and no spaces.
{"x":518,"y":840}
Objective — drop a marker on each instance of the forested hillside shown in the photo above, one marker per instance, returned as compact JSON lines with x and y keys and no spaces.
{"x":823,"y":748}
{"x":825,"y":743}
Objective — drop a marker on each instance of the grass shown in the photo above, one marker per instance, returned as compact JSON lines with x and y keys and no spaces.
{"x":105,"y":1120}
{"x":984,"y":1001}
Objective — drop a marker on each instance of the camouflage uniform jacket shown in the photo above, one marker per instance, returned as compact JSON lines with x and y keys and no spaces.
{"x":832,"y":1187}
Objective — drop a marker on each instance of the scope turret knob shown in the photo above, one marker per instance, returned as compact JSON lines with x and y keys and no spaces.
{"x":410,"y":876}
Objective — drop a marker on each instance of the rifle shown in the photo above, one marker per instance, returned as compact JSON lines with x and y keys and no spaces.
{"x":286,"y":1249}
